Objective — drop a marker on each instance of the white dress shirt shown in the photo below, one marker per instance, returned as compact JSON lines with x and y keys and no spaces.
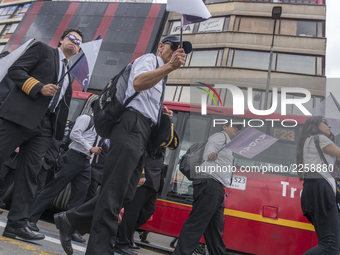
{"x":147,"y":102}
{"x":83,"y":141}
{"x":65,"y":81}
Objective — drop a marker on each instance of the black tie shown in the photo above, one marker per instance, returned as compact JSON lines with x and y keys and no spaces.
{"x":57,"y":94}
{"x":161,"y":102}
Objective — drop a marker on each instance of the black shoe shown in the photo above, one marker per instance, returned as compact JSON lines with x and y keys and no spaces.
{"x":76,"y":236}
{"x":134,"y":246}
{"x":24,"y":233}
{"x":32,"y":226}
{"x":2,"y":205}
{"x":123,"y":250}
{"x":1,"y":211}
{"x":65,"y":231}
{"x":143,"y":237}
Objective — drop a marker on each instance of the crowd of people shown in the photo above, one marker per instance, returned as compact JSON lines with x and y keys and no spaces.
{"x":33,"y":117}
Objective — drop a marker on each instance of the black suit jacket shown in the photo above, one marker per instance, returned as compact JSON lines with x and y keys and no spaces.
{"x":25,"y":105}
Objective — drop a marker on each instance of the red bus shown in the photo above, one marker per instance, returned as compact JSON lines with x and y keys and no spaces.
{"x":262,"y":211}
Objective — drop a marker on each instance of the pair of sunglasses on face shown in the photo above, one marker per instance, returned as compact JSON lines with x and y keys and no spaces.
{"x":173,"y":46}
{"x":73,"y":38}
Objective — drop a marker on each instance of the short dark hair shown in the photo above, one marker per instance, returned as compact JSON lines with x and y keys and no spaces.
{"x":69,"y":30}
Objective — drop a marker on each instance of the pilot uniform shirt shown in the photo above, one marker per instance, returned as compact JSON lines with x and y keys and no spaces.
{"x":224,"y":160}
{"x":147,"y":102}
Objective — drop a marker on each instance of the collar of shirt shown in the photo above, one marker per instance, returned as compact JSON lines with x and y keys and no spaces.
{"x":61,"y":56}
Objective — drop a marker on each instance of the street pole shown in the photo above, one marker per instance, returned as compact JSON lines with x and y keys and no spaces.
{"x":265,"y":105}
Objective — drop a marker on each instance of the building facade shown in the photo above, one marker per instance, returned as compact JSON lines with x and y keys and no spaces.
{"x":233,"y":47}
{"x":11,"y":13}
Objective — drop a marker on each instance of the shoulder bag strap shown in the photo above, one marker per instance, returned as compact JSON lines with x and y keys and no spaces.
{"x":317,"y":145}
{"x":225,"y":142}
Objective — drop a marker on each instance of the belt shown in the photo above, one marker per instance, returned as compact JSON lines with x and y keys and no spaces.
{"x":148,"y":120}
{"x":83,"y":154}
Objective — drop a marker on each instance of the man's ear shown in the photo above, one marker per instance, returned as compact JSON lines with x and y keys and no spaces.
{"x":160,"y":46}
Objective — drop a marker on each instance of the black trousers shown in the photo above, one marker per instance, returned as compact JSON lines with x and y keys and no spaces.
{"x":33,"y":146}
{"x":136,"y":214}
{"x":205,"y":218}
{"x":76,"y":169}
{"x":44,"y":177}
{"x":92,"y":190}
{"x":7,"y":176}
{"x":122,"y":171}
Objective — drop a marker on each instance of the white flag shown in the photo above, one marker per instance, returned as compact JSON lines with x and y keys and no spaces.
{"x":192,"y":10}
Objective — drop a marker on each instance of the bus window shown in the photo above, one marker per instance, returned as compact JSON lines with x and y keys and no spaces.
{"x":279,"y":157}
{"x":196,"y":129}
{"x":76,"y":105}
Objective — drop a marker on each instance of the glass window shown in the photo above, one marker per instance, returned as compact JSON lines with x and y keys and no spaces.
{"x":13,"y":27}
{"x":17,"y":11}
{"x":2,"y":26}
{"x":306,"y":28}
{"x":76,"y":105}
{"x":204,"y":58}
{"x":319,"y":68}
{"x":195,"y":131}
{"x":226,"y":23}
{"x":188,"y":57}
{"x":12,"y":9}
{"x":176,"y":28}
{"x":256,"y":25}
{"x":219,"y":59}
{"x":211,"y":25}
{"x":320,"y":29}
{"x":5,"y":31}
{"x":251,"y":59}
{"x":296,"y":63}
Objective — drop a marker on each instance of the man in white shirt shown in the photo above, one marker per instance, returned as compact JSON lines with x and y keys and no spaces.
{"x":206,"y":216}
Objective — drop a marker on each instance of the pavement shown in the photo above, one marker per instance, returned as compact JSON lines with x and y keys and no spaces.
{"x":159,"y":244}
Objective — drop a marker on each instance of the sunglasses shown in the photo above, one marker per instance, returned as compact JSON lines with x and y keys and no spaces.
{"x":173,"y":46}
{"x":72,"y":38}
{"x":326,"y":122}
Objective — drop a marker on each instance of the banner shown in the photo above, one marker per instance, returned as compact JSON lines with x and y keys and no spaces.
{"x":250,"y":142}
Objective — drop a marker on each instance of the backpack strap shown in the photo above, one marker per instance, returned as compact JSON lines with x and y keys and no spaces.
{"x":91,"y":124}
{"x":317,"y":145}
{"x":225,"y":141}
{"x":136,"y":93}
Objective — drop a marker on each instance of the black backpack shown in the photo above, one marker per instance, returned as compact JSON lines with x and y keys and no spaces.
{"x":194,"y":157}
{"x":109,"y":106}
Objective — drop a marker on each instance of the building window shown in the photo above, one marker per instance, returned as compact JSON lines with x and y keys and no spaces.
{"x":302,"y":28}
{"x":249,"y":59}
{"x":296,"y":63}
{"x":5,"y":31}
{"x":292,"y":63}
{"x":205,"y":58}
{"x":254,"y":25}
{"x":310,"y":28}
{"x":13,"y":27}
